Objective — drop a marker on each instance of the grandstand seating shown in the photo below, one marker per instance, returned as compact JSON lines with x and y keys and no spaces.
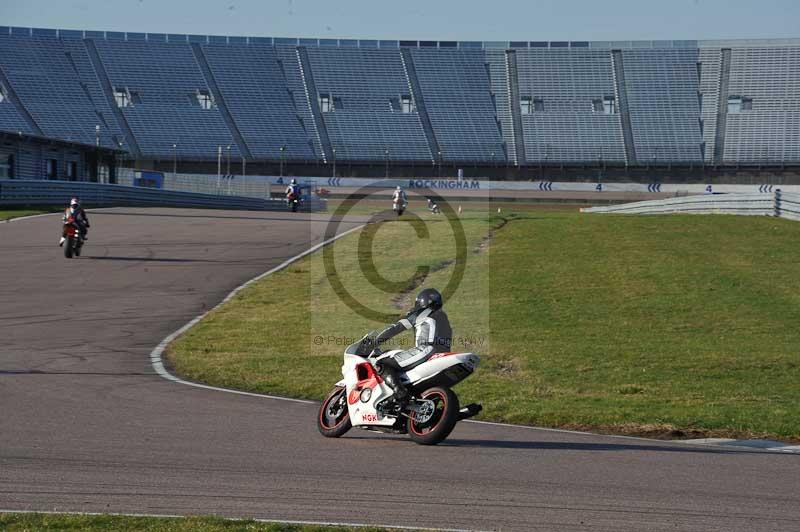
{"x":567,"y":128}
{"x":315,"y":100}
{"x":12,"y":120}
{"x":770,"y":131}
{"x":166,"y":77}
{"x":86,"y":74}
{"x":48,"y":86}
{"x":455,"y":84}
{"x":258,"y":97}
{"x":663,"y":88}
{"x":290,"y":63}
{"x":366,"y":119}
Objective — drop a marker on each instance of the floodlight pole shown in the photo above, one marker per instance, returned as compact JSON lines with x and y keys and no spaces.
{"x":174,"y":160}
{"x":228,"y":170}
{"x":219,"y":167}
{"x":97,"y":151}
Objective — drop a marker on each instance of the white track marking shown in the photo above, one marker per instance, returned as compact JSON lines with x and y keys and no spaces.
{"x":18,"y":218}
{"x":258,"y":520}
{"x":157,"y":361}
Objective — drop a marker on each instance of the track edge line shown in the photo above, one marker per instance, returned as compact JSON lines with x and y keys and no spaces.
{"x":156,"y":355}
{"x":256,"y":519}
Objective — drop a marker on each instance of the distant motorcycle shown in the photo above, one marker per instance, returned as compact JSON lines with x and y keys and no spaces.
{"x":364,"y":400}
{"x":293,"y":201}
{"x":399,"y":205}
{"x":73,"y":243}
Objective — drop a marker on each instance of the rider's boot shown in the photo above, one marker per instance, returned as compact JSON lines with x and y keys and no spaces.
{"x":391,"y":377}
{"x":61,"y":242}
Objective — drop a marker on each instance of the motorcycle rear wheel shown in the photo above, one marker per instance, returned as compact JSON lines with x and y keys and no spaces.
{"x":441,"y":422}
{"x":333,"y":419}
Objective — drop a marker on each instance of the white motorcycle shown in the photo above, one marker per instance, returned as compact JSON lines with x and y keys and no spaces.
{"x":399,"y":204}
{"x":364,"y":400}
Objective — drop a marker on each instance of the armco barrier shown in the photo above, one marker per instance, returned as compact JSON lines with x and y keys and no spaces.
{"x":778,"y":203}
{"x":787,"y":205}
{"x":37,"y":192}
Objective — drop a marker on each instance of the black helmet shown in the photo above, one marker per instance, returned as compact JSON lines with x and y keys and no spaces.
{"x":428,"y":298}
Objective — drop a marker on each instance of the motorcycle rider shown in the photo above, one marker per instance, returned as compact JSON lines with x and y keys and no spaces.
{"x":399,"y":197}
{"x":76,"y":212}
{"x":432,"y":206}
{"x":432,"y":332}
{"x":293,"y":191}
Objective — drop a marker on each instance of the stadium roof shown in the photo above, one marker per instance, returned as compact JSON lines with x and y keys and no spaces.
{"x":372,"y":43}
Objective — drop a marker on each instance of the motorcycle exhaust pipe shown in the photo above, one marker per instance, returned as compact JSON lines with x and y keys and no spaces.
{"x":469,"y":411}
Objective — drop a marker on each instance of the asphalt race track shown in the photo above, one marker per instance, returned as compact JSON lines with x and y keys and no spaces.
{"x":87,"y":425}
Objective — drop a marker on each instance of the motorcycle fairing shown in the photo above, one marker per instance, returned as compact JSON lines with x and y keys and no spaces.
{"x":441,"y":369}
{"x":360,"y":375}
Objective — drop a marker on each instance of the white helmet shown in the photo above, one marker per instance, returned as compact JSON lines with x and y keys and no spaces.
{"x":399,"y":188}
{"x":294,"y":182}
{"x":74,"y":203}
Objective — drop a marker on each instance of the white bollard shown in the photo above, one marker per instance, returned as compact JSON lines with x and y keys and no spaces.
{"x":459,"y":209}
{"x":498,"y":210}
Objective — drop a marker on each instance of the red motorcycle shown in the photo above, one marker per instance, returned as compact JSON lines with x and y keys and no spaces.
{"x":73,"y":243}
{"x":293,"y":200}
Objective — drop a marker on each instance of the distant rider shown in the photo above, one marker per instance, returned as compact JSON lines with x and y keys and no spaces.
{"x":399,"y":197}
{"x":293,"y":191}
{"x":78,"y":215}
{"x":432,"y":335}
{"x":433,"y":207}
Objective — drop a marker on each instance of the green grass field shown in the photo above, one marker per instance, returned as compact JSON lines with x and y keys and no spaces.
{"x":14,"y":212}
{"x":28,"y":522}
{"x":669,"y":326}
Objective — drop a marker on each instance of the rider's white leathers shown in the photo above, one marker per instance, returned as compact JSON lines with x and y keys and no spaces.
{"x":399,"y":197}
{"x":432,"y":333}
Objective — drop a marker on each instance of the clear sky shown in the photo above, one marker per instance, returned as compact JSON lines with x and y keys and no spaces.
{"x":484,"y":20}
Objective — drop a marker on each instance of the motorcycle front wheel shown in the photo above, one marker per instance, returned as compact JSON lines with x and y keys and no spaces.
{"x":333,"y":419}
{"x":437,"y":420}
{"x":68,"y":247}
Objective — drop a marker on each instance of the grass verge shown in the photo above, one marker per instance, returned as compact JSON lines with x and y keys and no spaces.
{"x":23,"y":522}
{"x":666,"y":326}
{"x":6,"y":213}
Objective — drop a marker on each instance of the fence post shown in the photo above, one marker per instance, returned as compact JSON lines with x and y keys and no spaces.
{"x":777,"y":203}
